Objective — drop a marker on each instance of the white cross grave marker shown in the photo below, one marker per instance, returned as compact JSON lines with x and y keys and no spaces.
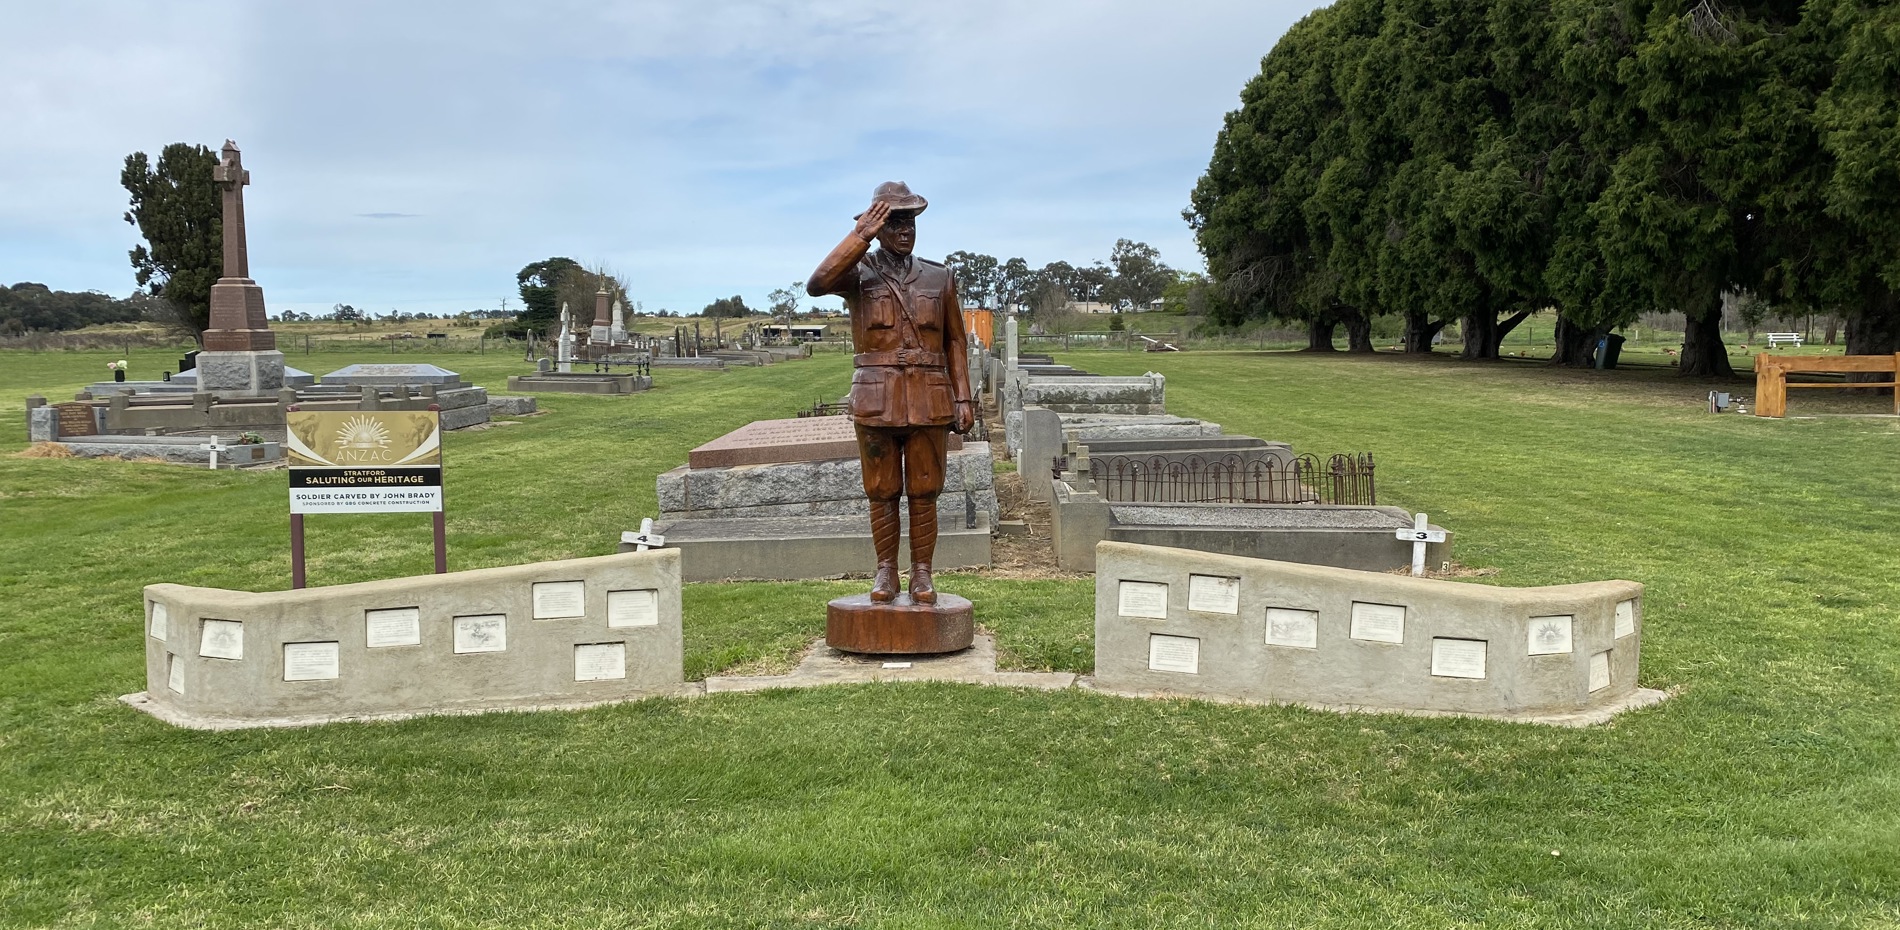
{"x":214,"y":447}
{"x":1419,"y":535}
{"x":645,"y":539}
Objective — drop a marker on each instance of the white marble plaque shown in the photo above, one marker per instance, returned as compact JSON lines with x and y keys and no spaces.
{"x":160,"y":622}
{"x":481,"y":633}
{"x":1457,"y":658}
{"x":1214,"y":594}
{"x":559,"y":600}
{"x":633,"y":608}
{"x":310,"y":661}
{"x":600,"y":661}
{"x":174,"y":674}
{"x":1144,"y":599}
{"x":1600,"y":671}
{"x":222,"y":639}
{"x":1379,"y":623}
{"x":395,"y":626}
{"x":1548,"y":636}
{"x":1174,"y":654}
{"x":1625,"y":618}
{"x":1289,"y":627}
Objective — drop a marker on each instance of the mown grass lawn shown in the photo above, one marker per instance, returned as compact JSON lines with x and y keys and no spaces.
{"x":1766,"y":794}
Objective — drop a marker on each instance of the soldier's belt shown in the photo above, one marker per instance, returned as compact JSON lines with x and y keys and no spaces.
{"x":899,"y":358}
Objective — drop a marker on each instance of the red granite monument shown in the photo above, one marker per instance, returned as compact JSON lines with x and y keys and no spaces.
{"x":240,"y":352}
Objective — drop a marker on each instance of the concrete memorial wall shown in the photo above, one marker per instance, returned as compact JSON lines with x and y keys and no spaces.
{"x":548,"y":634}
{"x":1176,"y":621}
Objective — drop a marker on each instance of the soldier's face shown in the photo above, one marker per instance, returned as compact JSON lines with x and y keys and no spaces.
{"x":899,"y":234}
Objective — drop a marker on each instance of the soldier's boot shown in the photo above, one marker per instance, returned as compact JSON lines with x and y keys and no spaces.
{"x":923,"y":545}
{"x":886,"y":528}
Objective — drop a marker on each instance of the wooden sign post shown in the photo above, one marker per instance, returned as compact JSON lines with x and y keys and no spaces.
{"x":364,"y":461}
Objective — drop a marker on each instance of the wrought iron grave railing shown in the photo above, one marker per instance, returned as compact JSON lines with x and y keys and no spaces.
{"x":1345,"y":478}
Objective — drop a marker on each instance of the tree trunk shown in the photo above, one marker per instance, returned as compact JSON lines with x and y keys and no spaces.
{"x":1319,"y":334}
{"x":1420,"y":330}
{"x":1875,"y":330}
{"x":1833,"y":328}
{"x":1703,"y":354}
{"x":1576,"y":346}
{"x":1480,"y":331}
{"x":1358,"y":328}
{"x":1504,"y":329}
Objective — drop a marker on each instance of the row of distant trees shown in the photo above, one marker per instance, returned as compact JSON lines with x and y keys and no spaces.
{"x":1482,"y":160}
{"x":28,"y":306}
{"x":1134,"y":273}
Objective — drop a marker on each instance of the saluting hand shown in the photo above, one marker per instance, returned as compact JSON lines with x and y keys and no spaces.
{"x":872,"y":220}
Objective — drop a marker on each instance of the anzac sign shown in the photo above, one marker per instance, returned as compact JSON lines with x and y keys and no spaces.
{"x":367,"y":461}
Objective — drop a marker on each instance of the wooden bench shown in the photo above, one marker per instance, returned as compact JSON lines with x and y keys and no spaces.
{"x":1776,"y":339}
{"x":1771,"y":383}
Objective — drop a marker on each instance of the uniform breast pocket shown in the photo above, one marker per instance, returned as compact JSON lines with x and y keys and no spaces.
{"x":880,"y":308}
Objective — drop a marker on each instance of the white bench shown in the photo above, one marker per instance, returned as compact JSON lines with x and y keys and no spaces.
{"x":1775,"y":339}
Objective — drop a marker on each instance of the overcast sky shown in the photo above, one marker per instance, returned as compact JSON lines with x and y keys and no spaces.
{"x":414,"y":156}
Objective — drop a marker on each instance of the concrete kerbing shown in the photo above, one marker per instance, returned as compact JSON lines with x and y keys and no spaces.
{"x":823,"y":665}
{"x":1588,"y":717}
{"x":190,"y":721}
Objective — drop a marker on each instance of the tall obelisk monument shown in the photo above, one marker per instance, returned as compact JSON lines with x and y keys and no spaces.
{"x":240,"y":354}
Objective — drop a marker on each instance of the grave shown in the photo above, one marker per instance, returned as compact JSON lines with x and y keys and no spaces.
{"x":784,"y":499}
{"x":183,"y":450}
{"x":568,"y":633}
{"x":1175,"y":622}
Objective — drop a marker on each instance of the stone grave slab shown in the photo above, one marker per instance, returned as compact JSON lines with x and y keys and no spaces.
{"x":768,"y":442}
{"x":389,"y":375}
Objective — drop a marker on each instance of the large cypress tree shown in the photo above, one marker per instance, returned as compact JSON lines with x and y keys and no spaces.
{"x":176,"y":207}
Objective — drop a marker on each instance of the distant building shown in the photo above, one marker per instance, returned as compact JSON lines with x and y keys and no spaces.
{"x":1123,"y":306}
{"x":800,"y":332}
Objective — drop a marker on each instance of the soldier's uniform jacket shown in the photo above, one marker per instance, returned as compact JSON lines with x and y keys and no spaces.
{"x":907,"y":328}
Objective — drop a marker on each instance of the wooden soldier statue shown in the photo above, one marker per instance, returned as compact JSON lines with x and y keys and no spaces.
{"x":911,"y":385}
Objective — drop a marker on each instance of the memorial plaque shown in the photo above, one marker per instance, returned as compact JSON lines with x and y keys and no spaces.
{"x":174,"y":674}
{"x":481,"y":633}
{"x":161,"y":621}
{"x":1457,"y":658}
{"x":1287,"y":626}
{"x":1549,"y":635}
{"x":1144,"y":599}
{"x":1174,"y":654}
{"x":1625,"y":618}
{"x":395,"y":626}
{"x":310,"y":661}
{"x":76,"y":420}
{"x":1379,"y":623}
{"x":633,"y":608}
{"x":769,"y":442}
{"x":222,"y":639}
{"x":559,"y":600}
{"x":1214,"y":594}
{"x":600,"y":661}
{"x":1600,"y":671}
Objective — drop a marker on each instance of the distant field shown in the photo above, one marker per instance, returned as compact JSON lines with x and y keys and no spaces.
{"x":1765,"y":794}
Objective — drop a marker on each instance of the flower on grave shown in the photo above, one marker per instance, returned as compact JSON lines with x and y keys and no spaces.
{"x":122,"y":365}
{"x":112,"y":366}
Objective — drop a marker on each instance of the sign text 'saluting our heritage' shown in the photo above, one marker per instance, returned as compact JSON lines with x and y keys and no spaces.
{"x":375,"y":461}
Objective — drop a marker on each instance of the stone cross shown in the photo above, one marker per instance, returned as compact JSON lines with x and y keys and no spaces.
{"x":645,"y":539}
{"x":1420,"y":535}
{"x":232,"y":178}
{"x":214,"y":447}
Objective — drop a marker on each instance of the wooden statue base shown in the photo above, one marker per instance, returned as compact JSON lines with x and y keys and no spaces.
{"x":902,"y":627}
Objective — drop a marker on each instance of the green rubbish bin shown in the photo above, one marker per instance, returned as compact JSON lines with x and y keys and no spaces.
{"x":1609,"y":348}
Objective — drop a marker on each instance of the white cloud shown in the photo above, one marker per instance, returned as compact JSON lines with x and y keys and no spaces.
{"x":702,"y":149}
